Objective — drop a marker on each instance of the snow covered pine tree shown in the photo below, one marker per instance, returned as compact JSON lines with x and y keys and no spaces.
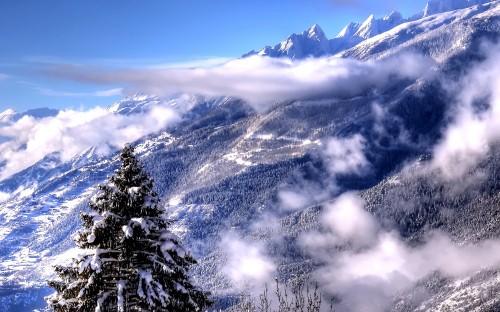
{"x":135,"y":263}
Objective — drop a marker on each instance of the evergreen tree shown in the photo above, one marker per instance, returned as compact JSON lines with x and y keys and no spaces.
{"x":134,"y":262}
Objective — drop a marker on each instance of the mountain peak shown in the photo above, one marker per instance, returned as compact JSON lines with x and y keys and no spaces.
{"x":312,"y":42}
{"x":7,"y":115}
{"x":315,"y":31}
{"x":372,"y":26}
{"x":349,"y":30}
{"x":8,"y":111}
{"x":368,"y":28}
{"x":394,"y":15}
{"x":370,"y":19}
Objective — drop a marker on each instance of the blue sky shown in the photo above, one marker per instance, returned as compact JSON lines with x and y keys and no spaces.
{"x":133,"y":33}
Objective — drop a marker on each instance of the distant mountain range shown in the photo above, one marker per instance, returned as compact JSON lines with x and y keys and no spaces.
{"x":314,"y":43}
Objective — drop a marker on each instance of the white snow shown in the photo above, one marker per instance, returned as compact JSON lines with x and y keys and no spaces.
{"x":133,"y":191}
{"x":120,"y":301}
{"x":7,"y":115}
{"x":93,"y":261}
{"x":175,"y":200}
{"x":127,"y":230}
{"x":349,"y":30}
{"x":91,"y":238}
{"x":311,"y":42}
{"x":441,"y":6}
{"x":145,"y":224}
{"x":416,"y":28}
{"x":4,"y":197}
{"x":154,"y":290}
{"x":237,"y":158}
{"x":100,"y":301}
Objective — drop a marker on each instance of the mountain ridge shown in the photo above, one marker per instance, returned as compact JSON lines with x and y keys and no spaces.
{"x":300,"y":46}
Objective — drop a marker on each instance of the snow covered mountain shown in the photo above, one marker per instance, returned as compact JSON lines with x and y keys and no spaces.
{"x":7,"y":115}
{"x":441,"y":6}
{"x":262,"y":182}
{"x":354,"y":33}
{"x":459,"y":27}
{"x":135,"y":104}
{"x":11,"y":115}
{"x":313,"y":42}
{"x":310,"y":43}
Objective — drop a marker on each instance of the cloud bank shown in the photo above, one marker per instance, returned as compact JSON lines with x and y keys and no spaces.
{"x":261,"y":81}
{"x":70,"y":132}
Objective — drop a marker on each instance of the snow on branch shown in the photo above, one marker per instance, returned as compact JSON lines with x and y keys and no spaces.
{"x":153,"y":289}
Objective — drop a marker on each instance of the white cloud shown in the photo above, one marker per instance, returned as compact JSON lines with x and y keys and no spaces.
{"x":296,"y":197}
{"x":110,"y":92}
{"x":345,"y":156}
{"x":350,"y":221}
{"x":247,"y":263}
{"x":261,"y":81}
{"x":304,"y":193}
{"x":340,"y":156}
{"x":379,"y":263}
{"x":71,"y":132}
{"x":468,"y":139}
{"x":101,"y":93}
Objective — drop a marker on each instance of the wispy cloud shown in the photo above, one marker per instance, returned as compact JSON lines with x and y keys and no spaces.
{"x":204,"y":62}
{"x":101,"y":93}
{"x":136,"y":63}
{"x":109,"y":92}
{"x":260,"y":81}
